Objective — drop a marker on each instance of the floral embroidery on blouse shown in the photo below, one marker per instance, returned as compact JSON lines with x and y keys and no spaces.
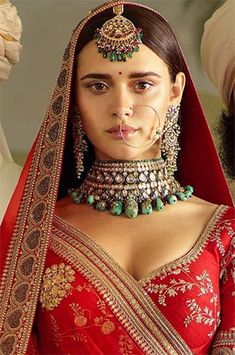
{"x":208,"y":315}
{"x":59,"y":336}
{"x":230,"y":256}
{"x":216,"y":234}
{"x":83,"y":316}
{"x":56,"y":285}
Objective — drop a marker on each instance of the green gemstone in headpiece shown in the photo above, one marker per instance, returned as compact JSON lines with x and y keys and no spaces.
{"x":112,"y":56}
{"x":119,"y":36}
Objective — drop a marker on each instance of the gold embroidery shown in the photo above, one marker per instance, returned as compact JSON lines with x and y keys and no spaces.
{"x":136,"y":311}
{"x":80,"y":318}
{"x":224,"y":350}
{"x":56,"y":285}
{"x":108,"y":327}
{"x":224,"y":340}
{"x":206,"y":316}
{"x":37,"y":211}
{"x":184,"y":261}
{"x":125,"y":345}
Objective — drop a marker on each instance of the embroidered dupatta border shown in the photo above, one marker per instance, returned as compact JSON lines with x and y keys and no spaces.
{"x":26,"y":255}
{"x":22,"y":273}
{"x":69,"y":243}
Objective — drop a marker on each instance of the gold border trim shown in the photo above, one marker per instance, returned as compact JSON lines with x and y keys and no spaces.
{"x":124,"y":283}
{"x":123,"y":304}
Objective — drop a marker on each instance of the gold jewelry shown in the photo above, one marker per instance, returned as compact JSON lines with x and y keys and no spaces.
{"x":80,"y":143}
{"x":118,"y":38}
{"x":170,"y":142}
{"x":133,"y":187}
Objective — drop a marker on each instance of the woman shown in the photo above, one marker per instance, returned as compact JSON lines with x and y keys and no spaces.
{"x":137,"y":285}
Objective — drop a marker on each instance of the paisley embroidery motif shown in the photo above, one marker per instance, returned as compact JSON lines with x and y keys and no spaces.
{"x":56,"y":285}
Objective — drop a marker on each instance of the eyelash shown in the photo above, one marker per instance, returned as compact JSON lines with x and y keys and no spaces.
{"x":97,"y":91}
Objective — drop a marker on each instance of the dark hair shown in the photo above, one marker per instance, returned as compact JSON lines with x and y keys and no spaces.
{"x":158,"y":36}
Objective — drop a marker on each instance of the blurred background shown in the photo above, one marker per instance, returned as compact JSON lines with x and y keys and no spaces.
{"x":47,"y":25}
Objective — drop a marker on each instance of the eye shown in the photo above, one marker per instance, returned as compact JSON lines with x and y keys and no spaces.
{"x":98,"y":87}
{"x":143,"y":85}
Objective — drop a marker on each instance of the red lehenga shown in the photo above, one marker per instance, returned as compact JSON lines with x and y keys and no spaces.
{"x":60,"y":293}
{"x":90,"y":305}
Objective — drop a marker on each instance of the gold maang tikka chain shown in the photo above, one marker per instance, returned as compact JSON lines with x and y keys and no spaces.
{"x":118,"y":38}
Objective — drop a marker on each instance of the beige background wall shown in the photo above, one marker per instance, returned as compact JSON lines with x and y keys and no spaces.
{"x":47,"y":25}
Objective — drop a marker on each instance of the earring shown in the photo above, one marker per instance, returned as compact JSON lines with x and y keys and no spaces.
{"x":170,"y":144}
{"x":80,"y":144}
{"x":157,"y":134}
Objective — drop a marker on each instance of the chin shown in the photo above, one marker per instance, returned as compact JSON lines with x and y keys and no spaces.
{"x":124,"y":153}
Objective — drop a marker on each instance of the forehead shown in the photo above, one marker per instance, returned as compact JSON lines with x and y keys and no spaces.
{"x":145,"y":60}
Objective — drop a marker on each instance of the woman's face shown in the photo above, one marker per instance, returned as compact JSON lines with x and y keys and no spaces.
{"x":134,"y":94}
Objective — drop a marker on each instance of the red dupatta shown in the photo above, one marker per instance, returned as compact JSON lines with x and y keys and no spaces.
{"x":28,"y":220}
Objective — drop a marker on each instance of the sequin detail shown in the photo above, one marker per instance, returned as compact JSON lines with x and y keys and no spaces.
{"x":56,"y":285}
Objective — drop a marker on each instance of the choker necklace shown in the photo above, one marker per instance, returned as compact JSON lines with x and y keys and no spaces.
{"x":133,"y":187}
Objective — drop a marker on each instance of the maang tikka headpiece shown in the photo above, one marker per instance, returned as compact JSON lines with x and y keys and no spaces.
{"x":118,"y":38}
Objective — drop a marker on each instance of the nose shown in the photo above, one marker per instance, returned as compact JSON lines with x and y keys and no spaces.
{"x":124,"y":112}
{"x":121,"y":105}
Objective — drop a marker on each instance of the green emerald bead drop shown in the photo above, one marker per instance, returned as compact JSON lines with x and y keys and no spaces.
{"x":101,"y":206}
{"x":171,"y":199}
{"x":131,"y":208}
{"x":116,"y":208}
{"x":189,"y":188}
{"x":131,"y":212}
{"x":112,"y":57}
{"x":181,"y":196}
{"x":188,"y":194}
{"x":159,"y":204}
{"x":74,"y":195}
{"x":99,"y":50}
{"x":146,"y":207}
{"x":77,"y":200}
{"x":90,"y":199}
{"x":105,"y":54}
{"x":130,"y":54}
{"x":124,"y":57}
{"x":136,"y":49}
{"x":119,"y":57}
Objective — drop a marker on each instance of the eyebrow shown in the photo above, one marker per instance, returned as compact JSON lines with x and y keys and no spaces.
{"x":132,"y":75}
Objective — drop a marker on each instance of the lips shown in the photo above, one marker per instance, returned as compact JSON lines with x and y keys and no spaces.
{"x":125,"y":128}
{"x":126,"y":131}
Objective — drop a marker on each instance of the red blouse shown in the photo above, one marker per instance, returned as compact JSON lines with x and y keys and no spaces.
{"x":91,"y":305}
